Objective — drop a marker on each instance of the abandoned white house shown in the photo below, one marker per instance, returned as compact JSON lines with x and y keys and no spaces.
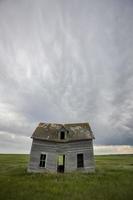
{"x":62,"y":148}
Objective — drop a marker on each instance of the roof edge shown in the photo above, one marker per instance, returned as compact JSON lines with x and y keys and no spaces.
{"x":62,"y":141}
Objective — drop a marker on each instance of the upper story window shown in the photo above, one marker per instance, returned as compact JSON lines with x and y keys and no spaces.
{"x":62,"y":135}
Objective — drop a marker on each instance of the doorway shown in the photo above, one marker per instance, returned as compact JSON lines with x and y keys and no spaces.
{"x":61,"y":163}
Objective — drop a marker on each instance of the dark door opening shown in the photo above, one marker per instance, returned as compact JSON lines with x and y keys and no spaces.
{"x":61,"y":163}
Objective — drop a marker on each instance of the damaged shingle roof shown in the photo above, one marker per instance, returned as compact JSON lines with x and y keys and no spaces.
{"x":51,"y":132}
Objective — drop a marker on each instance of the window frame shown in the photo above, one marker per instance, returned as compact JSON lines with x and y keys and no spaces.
{"x":43,"y":158}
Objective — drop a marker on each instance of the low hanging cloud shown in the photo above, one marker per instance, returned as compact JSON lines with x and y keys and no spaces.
{"x":66,"y":61}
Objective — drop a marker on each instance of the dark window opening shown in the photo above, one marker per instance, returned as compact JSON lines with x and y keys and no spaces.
{"x":80,"y":160}
{"x":42,"y":160}
{"x":62,"y":135}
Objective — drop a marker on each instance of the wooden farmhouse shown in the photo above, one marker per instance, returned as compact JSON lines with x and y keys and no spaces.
{"x":62,"y":148}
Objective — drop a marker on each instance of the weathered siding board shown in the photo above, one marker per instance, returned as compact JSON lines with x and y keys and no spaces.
{"x":71,"y":162}
{"x":35,"y":157}
{"x":52,"y":161}
{"x":52,"y":150}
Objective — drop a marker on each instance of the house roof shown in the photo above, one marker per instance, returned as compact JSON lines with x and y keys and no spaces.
{"x":50,"y":132}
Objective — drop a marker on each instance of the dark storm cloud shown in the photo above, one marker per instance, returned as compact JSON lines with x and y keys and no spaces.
{"x":67,"y":61}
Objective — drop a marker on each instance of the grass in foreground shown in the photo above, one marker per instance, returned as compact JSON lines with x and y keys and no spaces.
{"x":113,"y":180}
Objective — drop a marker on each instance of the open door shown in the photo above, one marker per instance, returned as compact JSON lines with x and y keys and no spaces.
{"x":61,"y":163}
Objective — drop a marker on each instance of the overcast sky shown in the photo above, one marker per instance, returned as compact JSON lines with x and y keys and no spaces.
{"x":66,"y":61}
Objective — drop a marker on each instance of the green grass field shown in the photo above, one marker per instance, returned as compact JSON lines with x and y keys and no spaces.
{"x":113,"y":180}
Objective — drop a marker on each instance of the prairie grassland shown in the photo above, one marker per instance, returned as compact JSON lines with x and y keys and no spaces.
{"x":113,"y":180}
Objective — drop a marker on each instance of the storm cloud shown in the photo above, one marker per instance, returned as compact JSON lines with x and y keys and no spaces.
{"x":66,"y":61}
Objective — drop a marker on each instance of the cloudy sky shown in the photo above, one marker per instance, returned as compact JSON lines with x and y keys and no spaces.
{"x":66,"y":61}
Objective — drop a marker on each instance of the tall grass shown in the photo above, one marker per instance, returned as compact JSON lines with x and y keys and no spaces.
{"x":113,"y":180}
